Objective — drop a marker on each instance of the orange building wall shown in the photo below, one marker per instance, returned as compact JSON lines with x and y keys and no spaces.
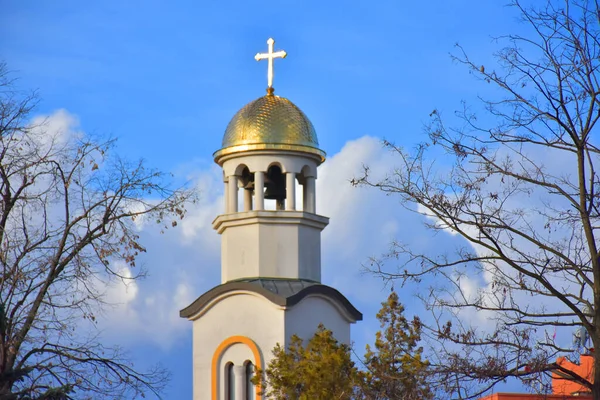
{"x":525,"y":396}
{"x":562,"y":389}
{"x":584,"y":369}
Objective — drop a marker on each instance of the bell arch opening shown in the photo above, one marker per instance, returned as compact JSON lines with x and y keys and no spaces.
{"x":275,"y":186}
{"x":246,"y":183}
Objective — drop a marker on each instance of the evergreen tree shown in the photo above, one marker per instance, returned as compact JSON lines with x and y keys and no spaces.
{"x":324,"y":370}
{"x":395,"y":368}
{"x":321,"y":370}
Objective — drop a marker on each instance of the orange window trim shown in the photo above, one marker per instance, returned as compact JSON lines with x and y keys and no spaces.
{"x":230,"y":341}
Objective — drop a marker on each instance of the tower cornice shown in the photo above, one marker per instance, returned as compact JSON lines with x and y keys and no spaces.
{"x":243,"y":150}
{"x":269,"y":217}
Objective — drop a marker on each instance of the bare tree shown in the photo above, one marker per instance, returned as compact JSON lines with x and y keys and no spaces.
{"x":67,"y":213}
{"x":522,"y":191}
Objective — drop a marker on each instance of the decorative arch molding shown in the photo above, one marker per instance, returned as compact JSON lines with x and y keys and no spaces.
{"x":240,"y":168}
{"x":225,"y":344}
{"x":283,"y":293}
{"x":261,"y":160}
{"x":308,"y":170}
{"x":213,"y":302}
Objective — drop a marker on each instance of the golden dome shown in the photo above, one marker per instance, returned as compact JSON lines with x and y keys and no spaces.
{"x":270,"y":122}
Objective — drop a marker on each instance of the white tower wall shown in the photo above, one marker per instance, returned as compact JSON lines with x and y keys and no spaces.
{"x":228,"y":317}
{"x":267,"y":243}
{"x":272,"y":325}
{"x":302,"y":319}
{"x":282,"y":244}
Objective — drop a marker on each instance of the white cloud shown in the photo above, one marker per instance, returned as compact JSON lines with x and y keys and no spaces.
{"x":531,"y":205}
{"x":353,"y":211}
{"x":55,"y":128}
{"x":208,"y":180}
{"x":145,"y":312}
{"x":184,"y":262}
{"x":183,"y":295}
{"x":122,"y":291}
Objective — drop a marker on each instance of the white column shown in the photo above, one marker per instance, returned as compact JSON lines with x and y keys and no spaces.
{"x":290,"y":188}
{"x":247,"y":200}
{"x":226,"y":197}
{"x":310,"y":196}
{"x":240,"y":382}
{"x":259,"y":190}
{"x":304,"y":196}
{"x":232,"y":194}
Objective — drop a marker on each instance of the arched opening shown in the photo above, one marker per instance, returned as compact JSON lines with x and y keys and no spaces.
{"x":275,"y":186}
{"x":241,"y":178}
{"x":249,"y":388}
{"x":246,"y":182}
{"x":216,"y":361}
{"x":229,"y":381}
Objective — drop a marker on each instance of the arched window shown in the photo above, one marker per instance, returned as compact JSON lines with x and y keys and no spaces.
{"x":249,"y":387}
{"x":229,"y":382}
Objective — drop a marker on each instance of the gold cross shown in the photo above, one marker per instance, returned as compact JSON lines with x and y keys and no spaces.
{"x":270,"y":56}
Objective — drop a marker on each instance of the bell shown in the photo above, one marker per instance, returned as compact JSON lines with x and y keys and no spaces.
{"x":275,"y":184}
{"x":274,"y":192}
{"x":247,"y":179}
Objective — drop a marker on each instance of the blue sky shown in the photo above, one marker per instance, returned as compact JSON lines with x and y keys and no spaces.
{"x":166,"y":77}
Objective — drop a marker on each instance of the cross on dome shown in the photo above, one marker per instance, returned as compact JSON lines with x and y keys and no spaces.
{"x":270,"y":56}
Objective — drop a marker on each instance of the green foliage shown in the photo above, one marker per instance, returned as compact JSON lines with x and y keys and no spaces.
{"x":321,"y":370}
{"x":395,"y":368}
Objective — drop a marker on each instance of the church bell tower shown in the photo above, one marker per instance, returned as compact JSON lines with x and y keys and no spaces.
{"x":270,"y":249}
